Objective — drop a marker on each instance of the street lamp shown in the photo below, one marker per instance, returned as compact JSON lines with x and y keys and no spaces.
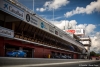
{"x":33,"y":5}
{"x":53,"y":13}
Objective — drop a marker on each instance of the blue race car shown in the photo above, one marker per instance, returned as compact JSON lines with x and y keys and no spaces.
{"x":18,"y":53}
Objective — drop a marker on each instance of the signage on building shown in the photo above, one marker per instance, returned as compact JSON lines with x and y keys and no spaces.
{"x":51,"y":29}
{"x":43,"y":25}
{"x":76,"y":31}
{"x":11,"y":9}
{"x":6,"y":32}
{"x":31,"y":19}
{"x":71,"y":31}
{"x":27,"y":17}
{"x":79,"y":31}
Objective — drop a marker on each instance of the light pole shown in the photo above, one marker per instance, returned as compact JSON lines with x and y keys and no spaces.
{"x":53,"y":13}
{"x":33,"y":5}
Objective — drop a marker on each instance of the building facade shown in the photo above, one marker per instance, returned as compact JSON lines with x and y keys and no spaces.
{"x":21,"y":28}
{"x":79,"y":35}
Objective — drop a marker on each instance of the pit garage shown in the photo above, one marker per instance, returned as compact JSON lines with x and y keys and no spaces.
{"x":12,"y":48}
{"x":29,"y":52}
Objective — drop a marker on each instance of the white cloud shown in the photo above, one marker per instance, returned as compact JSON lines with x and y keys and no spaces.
{"x":41,"y":9}
{"x":93,"y":6}
{"x":54,"y":4}
{"x":96,"y":42}
{"x":37,"y":9}
{"x":58,"y":17}
{"x":89,"y":28}
{"x":81,"y":26}
{"x":65,"y":23}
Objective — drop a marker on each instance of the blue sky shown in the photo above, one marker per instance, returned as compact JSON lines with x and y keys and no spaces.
{"x":59,"y":13}
{"x":80,"y":13}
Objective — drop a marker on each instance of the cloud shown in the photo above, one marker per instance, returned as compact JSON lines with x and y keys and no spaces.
{"x":64,"y":23}
{"x":58,"y":17}
{"x":54,"y":4}
{"x":92,"y":7}
{"x":96,"y":43}
{"x":89,"y":28}
{"x":40,"y":9}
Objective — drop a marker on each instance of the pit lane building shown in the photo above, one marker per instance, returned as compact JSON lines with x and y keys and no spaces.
{"x":81,"y":37}
{"x":21,"y":28}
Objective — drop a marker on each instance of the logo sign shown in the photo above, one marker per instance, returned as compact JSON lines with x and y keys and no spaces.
{"x":6,"y":32}
{"x":71,"y":31}
{"x":51,"y":29}
{"x":43,"y":25}
{"x":76,"y":31}
{"x":27,"y":17}
{"x":7,"y":7}
{"x":31,"y":19}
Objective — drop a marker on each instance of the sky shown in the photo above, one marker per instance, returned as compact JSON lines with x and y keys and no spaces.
{"x":81,"y":14}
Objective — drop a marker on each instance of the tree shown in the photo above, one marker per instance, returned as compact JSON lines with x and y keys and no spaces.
{"x":92,"y":53}
{"x":97,"y":54}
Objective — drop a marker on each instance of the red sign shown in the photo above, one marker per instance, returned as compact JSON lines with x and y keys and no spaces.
{"x":71,"y":31}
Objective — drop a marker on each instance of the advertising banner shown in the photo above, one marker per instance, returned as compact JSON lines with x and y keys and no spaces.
{"x":43,"y":25}
{"x":6,"y":32}
{"x":71,"y":31}
{"x":79,"y":31}
{"x":76,"y":31}
{"x":29,"y":18}
{"x":11,"y":9}
{"x":51,"y":29}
